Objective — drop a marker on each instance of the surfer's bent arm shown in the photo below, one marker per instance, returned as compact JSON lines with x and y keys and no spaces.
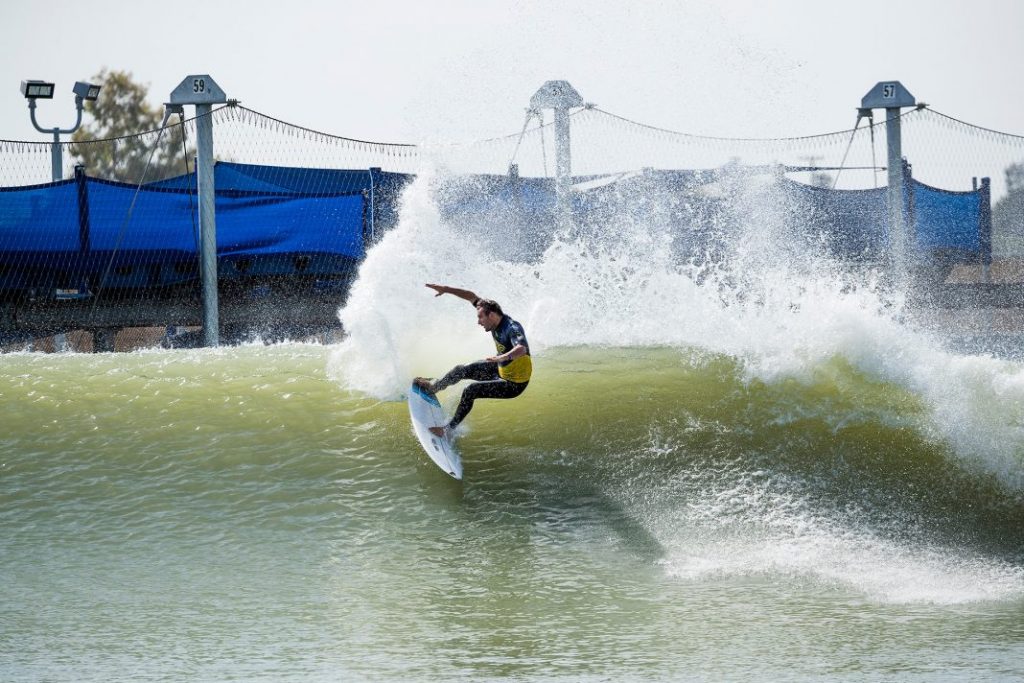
{"x":461,"y":293}
{"x":515,"y":352}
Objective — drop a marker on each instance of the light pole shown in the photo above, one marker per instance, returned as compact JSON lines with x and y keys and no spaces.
{"x":41,"y":90}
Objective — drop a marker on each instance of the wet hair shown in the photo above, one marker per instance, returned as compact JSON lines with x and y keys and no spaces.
{"x":488,"y":306}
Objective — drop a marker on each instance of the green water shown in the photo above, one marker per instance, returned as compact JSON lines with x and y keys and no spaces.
{"x":638,"y":514}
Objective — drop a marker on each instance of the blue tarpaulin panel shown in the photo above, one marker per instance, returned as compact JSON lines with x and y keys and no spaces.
{"x":247,"y":224}
{"x":232,"y":177}
{"x":272,"y":219}
{"x":380,"y":189}
{"x":946,"y":220}
{"x":130,"y":235}
{"x":854,"y":222}
{"x":38,"y":221}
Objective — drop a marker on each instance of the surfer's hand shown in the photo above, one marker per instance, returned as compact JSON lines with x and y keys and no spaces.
{"x":454,"y":291}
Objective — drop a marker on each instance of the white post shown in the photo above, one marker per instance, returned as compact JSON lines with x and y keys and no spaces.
{"x":892,"y":96}
{"x":207,"y":224}
{"x":897,"y":190}
{"x":203,"y":91}
{"x":560,"y":96}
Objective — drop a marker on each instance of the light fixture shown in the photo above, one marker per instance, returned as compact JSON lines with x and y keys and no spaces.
{"x":41,"y":90}
{"x":36,"y":90}
{"x":87,"y":91}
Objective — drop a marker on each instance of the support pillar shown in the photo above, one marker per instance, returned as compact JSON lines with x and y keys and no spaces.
{"x":560,"y":96}
{"x":985,"y":229}
{"x":203,"y":92}
{"x":892,"y":96}
{"x":103,"y":339}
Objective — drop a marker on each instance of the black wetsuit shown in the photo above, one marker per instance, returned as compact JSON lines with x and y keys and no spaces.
{"x":493,"y":380}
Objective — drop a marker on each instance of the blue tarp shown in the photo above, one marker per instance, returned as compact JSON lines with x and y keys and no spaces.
{"x":248,"y":224}
{"x":38,"y":220}
{"x":945,"y":220}
{"x":232,"y":177}
{"x":380,"y":189}
{"x":276,"y":220}
{"x":853,"y":222}
{"x":148,"y":237}
{"x":856,"y":221}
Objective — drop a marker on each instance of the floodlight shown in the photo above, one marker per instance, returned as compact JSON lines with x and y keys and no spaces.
{"x":87,"y":91}
{"x":35,"y":90}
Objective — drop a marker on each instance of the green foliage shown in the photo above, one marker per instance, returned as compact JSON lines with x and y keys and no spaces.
{"x":122,"y":135}
{"x":1015,"y":177}
{"x":1008,"y":213}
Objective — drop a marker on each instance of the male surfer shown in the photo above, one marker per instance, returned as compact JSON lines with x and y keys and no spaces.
{"x":504,"y":375}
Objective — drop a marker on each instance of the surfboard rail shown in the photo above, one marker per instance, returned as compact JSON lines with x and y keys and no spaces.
{"x":425,"y":411}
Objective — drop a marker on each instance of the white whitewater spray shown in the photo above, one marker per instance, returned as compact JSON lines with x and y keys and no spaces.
{"x":779,"y":309}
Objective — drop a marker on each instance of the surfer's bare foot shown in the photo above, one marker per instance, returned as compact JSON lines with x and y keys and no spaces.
{"x":437,"y":431}
{"x":424,"y":384}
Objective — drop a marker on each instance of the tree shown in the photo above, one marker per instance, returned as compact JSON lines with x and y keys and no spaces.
{"x":1015,"y":178}
{"x":1008,"y":213}
{"x":123,"y":134}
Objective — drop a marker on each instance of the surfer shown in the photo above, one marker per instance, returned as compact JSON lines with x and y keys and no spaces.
{"x":503,"y":375}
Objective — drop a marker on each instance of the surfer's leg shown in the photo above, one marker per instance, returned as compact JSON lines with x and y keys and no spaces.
{"x":499,"y":388}
{"x":480,"y":371}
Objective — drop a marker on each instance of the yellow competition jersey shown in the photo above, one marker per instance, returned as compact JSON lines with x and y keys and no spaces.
{"x":508,"y":335}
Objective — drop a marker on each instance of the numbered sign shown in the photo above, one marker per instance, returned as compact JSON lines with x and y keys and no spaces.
{"x":888,"y":95}
{"x":198,"y":89}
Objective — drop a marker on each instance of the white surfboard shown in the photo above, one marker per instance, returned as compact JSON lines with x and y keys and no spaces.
{"x":426,"y":411}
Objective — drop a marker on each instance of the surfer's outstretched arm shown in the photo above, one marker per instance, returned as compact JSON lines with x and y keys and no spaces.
{"x":461,"y":293}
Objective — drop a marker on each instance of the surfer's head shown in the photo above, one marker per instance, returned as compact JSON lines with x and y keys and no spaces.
{"x":488,"y":314}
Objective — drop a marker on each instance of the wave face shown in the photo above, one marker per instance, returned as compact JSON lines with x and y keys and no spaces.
{"x":769,"y":300}
{"x":272,"y":524}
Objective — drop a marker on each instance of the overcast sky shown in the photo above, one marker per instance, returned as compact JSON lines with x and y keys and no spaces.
{"x":462,"y":70}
